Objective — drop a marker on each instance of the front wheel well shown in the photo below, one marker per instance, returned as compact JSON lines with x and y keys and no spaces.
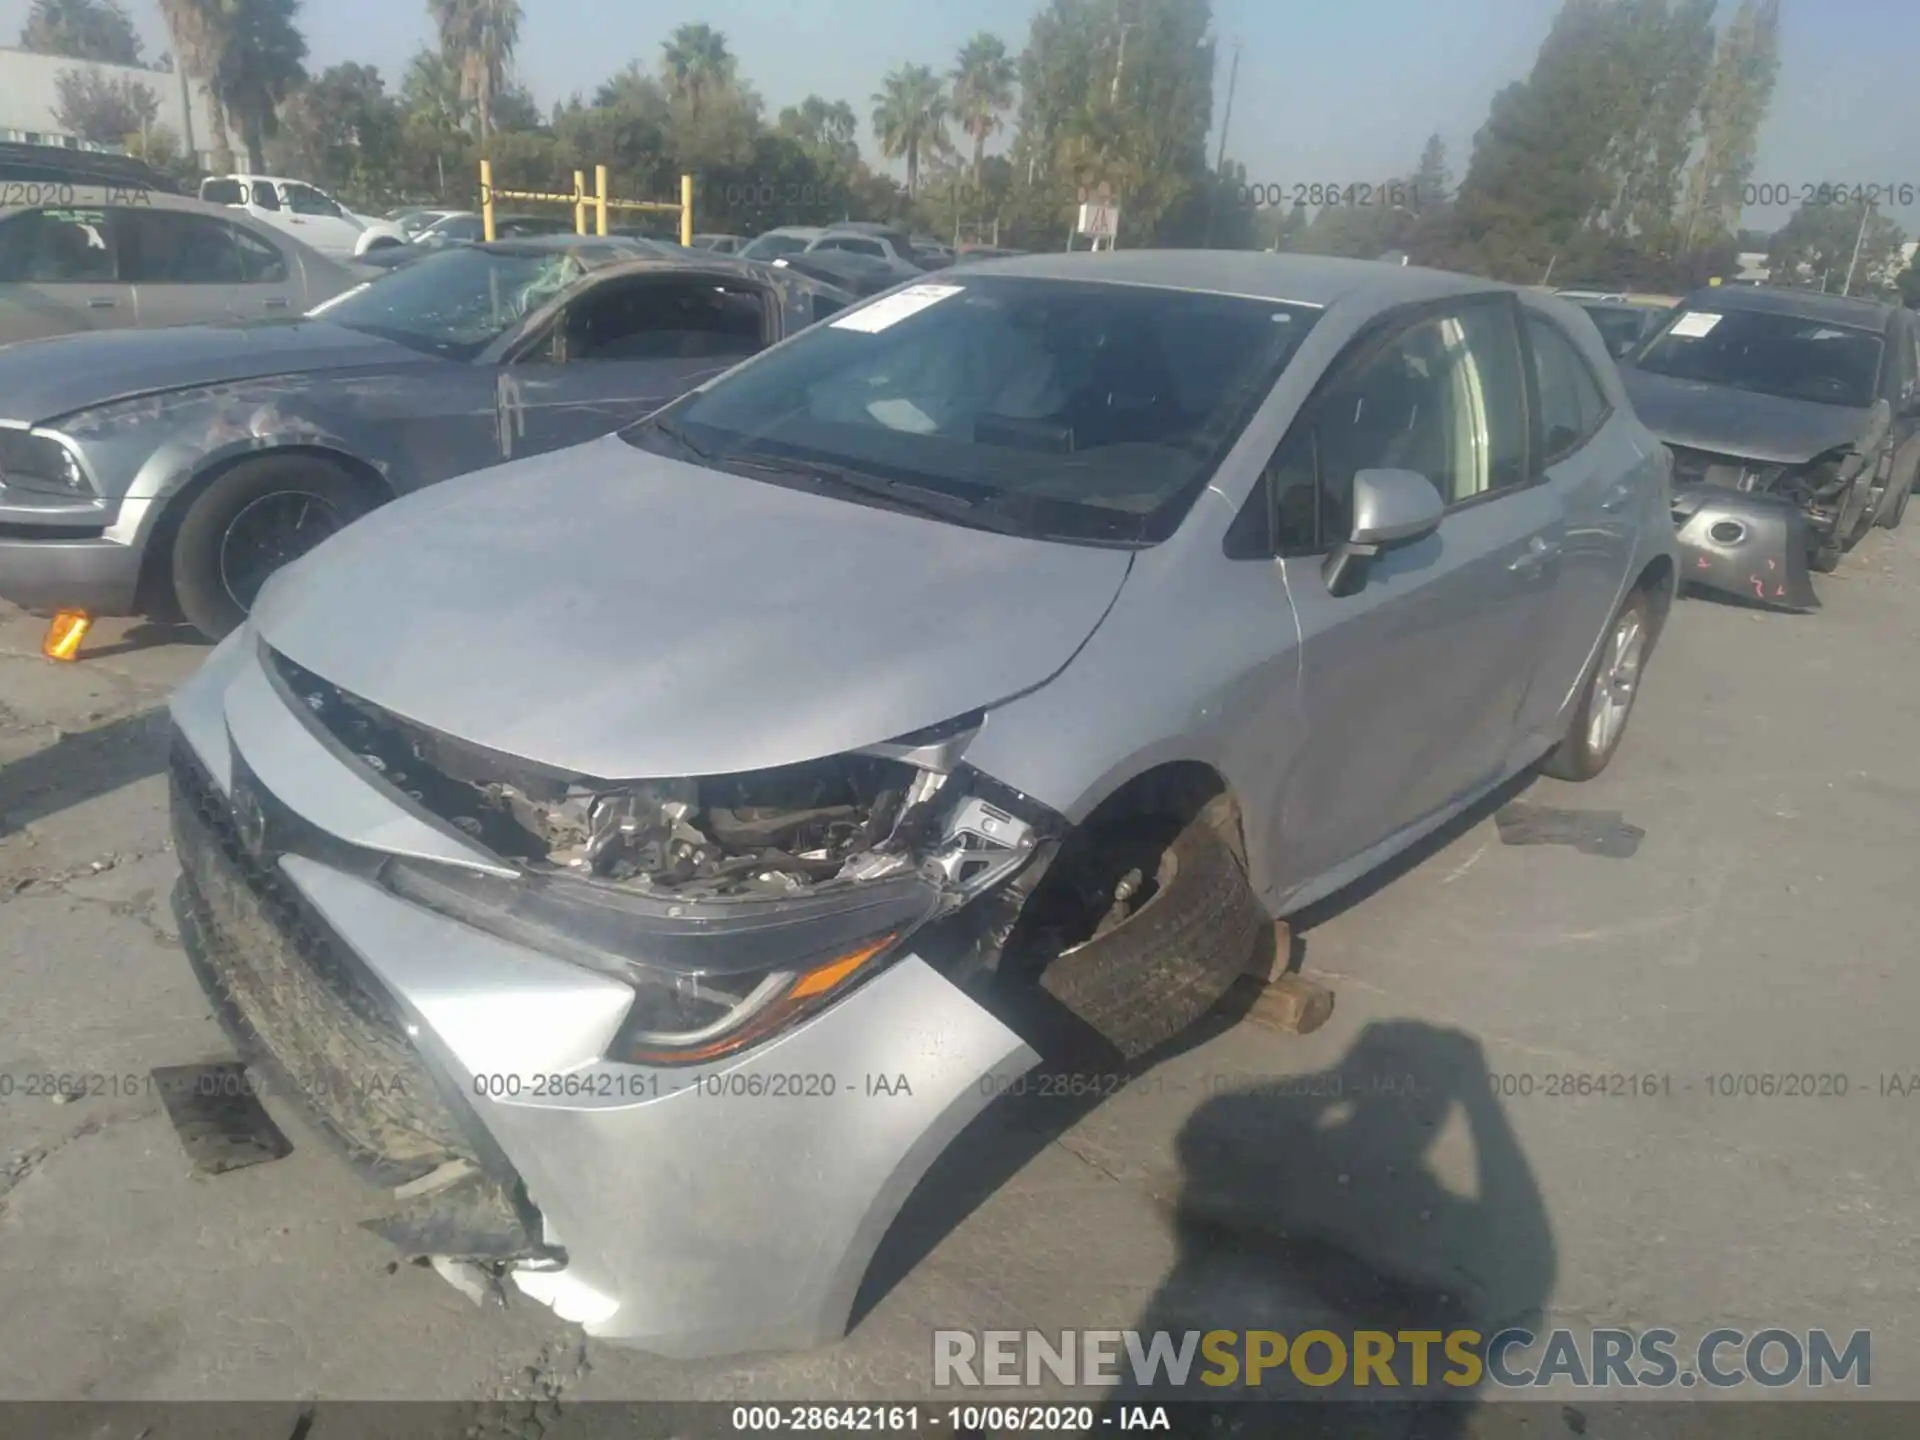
{"x":154,"y":596}
{"x":1179,"y":791}
{"x":1657,"y":582}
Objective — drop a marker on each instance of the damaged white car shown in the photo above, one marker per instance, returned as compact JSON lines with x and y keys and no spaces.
{"x":636,"y":854}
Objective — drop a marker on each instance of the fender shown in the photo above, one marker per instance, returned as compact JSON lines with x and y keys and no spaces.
{"x":213,"y":428}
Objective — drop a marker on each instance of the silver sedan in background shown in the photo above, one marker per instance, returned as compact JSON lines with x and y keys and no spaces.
{"x":689,"y":817}
{"x":111,"y":257}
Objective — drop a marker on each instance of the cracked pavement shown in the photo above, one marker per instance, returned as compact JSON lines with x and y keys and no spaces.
{"x":1363,"y":1174}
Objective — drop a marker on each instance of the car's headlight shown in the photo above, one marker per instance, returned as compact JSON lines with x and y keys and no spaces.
{"x":709,"y":977}
{"x":40,"y":465}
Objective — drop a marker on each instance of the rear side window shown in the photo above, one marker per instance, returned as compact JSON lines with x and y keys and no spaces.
{"x":222,"y":192}
{"x":1572,"y":404}
{"x":305,"y":200}
{"x":56,"y":247}
{"x":173,"y":247}
{"x":265,"y":196}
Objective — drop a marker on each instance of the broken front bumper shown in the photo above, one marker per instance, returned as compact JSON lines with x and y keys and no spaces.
{"x":694,"y":1211}
{"x":1752,"y":546}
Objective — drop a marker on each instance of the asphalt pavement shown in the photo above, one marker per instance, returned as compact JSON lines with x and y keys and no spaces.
{"x":1735,"y":899}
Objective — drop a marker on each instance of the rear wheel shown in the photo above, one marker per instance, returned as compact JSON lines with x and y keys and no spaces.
{"x":1606,"y":703}
{"x":257,"y":517}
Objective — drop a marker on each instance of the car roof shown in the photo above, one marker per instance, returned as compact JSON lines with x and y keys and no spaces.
{"x":549,"y":244}
{"x":94,"y":197}
{"x":799,"y":232}
{"x":1795,"y":304}
{"x":55,"y":164}
{"x":270,"y":179}
{"x":1315,"y":280}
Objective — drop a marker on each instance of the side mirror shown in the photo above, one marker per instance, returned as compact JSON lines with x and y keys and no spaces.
{"x":1390,"y":507}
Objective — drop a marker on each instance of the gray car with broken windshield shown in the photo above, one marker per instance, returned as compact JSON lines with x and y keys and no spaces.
{"x":709,"y":821}
{"x":176,"y":471}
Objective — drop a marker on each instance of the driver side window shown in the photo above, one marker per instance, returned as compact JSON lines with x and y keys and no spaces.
{"x":650,"y":318}
{"x":305,"y":200}
{"x":1443,"y":397}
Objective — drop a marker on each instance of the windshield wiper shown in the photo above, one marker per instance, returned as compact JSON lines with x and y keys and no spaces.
{"x":896,"y":494}
{"x":679,"y":437}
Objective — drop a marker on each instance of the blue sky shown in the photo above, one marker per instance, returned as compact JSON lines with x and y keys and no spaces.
{"x":1331,"y":93}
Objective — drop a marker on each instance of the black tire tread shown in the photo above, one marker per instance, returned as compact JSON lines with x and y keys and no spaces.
{"x":197,"y":590}
{"x":1170,"y":962}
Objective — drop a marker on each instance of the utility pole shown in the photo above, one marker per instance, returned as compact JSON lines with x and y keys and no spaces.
{"x":1120,"y":65}
{"x":1226,"y":118}
{"x":1226,"y":113}
{"x":1866,"y":212}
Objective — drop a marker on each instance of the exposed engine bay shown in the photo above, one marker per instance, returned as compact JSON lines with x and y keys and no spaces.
{"x":1821,"y":487}
{"x":843,"y":819}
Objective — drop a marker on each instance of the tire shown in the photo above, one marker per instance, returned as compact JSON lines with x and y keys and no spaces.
{"x":1586,"y":748}
{"x":215,"y":577}
{"x":1826,"y":557}
{"x":1900,"y":483}
{"x":1169,"y":961}
{"x":1891,"y":518}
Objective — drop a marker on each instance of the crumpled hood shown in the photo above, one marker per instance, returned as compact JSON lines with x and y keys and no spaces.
{"x":1739,"y":423}
{"x":41,"y":380}
{"x":623,"y":615}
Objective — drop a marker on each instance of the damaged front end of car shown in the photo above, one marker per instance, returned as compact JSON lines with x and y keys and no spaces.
{"x":733,"y":905}
{"x":1751,"y":529}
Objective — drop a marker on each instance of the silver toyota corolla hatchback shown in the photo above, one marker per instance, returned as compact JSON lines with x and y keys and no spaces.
{"x":636,"y":854}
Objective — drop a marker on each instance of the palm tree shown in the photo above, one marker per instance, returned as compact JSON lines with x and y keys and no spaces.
{"x":910,"y":118}
{"x":696,"y":63}
{"x":478,"y":38}
{"x":262,"y":59}
{"x":430,"y":92}
{"x":198,"y":29}
{"x":982,"y":89}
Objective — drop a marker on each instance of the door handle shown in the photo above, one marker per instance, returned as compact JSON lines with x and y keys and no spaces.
{"x":276,"y":304}
{"x":103,"y":303}
{"x":1538,"y":553}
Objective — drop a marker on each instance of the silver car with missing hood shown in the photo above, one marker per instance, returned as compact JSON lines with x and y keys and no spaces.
{"x":642,"y":856}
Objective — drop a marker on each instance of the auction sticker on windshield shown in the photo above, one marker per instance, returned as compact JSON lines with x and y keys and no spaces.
{"x":883,"y":314}
{"x":1694,"y":324}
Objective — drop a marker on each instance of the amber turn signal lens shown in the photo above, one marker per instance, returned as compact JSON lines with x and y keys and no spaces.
{"x":806,"y":995}
{"x":818,"y":982}
{"x":64,"y":635}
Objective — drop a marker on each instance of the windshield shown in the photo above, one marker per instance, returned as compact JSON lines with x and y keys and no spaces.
{"x":1621,"y":326}
{"x":1072,"y":410}
{"x":455,"y":303}
{"x":768,"y":246}
{"x":1783,"y":355}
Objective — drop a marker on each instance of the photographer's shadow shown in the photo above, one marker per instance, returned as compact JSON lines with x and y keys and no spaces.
{"x":1387,"y":1193}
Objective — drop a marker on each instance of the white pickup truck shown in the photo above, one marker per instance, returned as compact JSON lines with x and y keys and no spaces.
{"x":304,"y":212}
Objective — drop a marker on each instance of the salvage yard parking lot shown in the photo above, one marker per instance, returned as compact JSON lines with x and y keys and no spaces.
{"x":1640,"y":997}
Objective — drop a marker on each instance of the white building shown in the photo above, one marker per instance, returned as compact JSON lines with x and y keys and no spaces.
{"x":30,"y":96}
